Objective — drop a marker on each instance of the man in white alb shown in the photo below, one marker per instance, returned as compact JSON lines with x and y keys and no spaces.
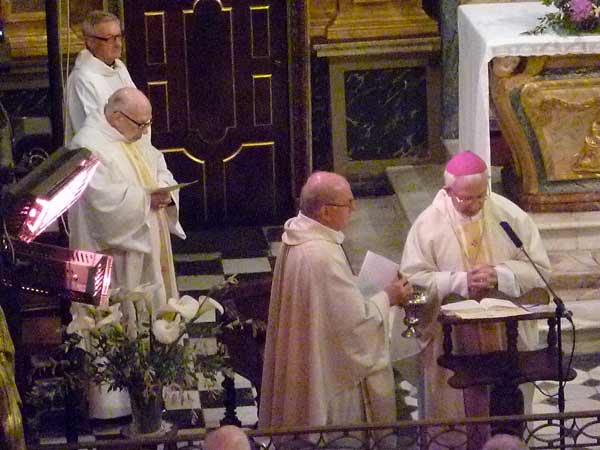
{"x":98,"y":71}
{"x":120,"y":215}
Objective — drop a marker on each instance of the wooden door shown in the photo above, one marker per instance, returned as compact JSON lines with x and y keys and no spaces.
{"x":216,"y":74}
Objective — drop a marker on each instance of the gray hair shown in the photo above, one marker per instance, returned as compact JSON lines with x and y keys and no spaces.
{"x":318,"y":190}
{"x":94,"y":18}
{"x":450,"y":178}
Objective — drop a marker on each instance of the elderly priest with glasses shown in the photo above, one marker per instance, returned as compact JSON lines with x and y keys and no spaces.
{"x":458,"y":246}
{"x":327,"y":359}
{"x":122,"y":212}
{"x":98,"y":71}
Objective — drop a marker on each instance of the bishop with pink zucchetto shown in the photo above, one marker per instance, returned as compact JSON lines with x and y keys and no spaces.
{"x":466,"y":163}
{"x":456,"y":245}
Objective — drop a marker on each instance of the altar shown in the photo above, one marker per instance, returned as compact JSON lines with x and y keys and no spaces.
{"x":546,"y":108}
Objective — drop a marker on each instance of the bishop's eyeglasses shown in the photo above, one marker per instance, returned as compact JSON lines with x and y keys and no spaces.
{"x":462,"y":199}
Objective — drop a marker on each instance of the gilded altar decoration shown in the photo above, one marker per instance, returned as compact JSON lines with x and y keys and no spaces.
{"x":561,"y":114}
{"x":571,"y":16}
{"x":589,"y":158}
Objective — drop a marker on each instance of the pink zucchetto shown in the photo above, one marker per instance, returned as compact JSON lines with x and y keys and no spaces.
{"x":466,"y":163}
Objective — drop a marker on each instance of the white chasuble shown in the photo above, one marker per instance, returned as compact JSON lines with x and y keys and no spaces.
{"x":440,"y":247}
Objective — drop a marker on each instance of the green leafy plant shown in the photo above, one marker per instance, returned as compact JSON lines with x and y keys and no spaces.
{"x":131,"y":344}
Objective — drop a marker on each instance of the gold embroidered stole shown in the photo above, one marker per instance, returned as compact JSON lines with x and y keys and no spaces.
{"x":475,"y":251}
{"x":10,"y":413}
{"x":145,"y":177}
{"x":475,"y":248}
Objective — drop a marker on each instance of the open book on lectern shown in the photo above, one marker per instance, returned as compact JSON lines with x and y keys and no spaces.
{"x":484,"y":309}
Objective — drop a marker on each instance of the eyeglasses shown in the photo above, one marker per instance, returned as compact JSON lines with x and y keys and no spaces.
{"x":110,"y":39}
{"x":472,"y":198}
{"x":350,"y":204}
{"x":140,"y":125}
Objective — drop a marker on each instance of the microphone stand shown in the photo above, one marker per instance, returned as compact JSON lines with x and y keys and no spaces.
{"x":560,"y":312}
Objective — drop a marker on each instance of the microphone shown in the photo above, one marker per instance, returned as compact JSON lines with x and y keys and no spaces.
{"x":519,"y":244}
{"x":559,"y":313}
{"x":512,"y":235}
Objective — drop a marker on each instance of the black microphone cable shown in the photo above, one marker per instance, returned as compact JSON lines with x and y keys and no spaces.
{"x":564,"y":313}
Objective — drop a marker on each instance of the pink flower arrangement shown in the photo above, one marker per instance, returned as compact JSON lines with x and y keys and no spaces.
{"x":571,"y":17}
{"x":581,"y":10}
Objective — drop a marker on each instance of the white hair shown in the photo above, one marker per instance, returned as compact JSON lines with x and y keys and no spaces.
{"x":450,"y":178}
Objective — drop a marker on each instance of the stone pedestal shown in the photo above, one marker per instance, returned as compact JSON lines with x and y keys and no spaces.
{"x":384,"y":86}
{"x":384,"y":103}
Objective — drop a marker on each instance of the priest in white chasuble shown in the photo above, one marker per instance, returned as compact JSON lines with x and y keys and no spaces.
{"x":119,"y":214}
{"x":458,"y":246}
{"x":327,"y":359}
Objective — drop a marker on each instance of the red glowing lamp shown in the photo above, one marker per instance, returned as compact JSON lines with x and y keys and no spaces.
{"x":47,"y":192}
{"x":29,"y":206}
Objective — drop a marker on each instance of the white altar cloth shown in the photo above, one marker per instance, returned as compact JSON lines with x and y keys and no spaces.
{"x":486,"y":31}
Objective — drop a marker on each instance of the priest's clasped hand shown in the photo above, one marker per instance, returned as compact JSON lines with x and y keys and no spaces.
{"x":160,"y":200}
{"x":399,"y":291}
{"x":480,"y":279}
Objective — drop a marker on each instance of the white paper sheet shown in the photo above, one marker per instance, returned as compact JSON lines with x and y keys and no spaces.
{"x":376,"y":273}
{"x":171,"y":188}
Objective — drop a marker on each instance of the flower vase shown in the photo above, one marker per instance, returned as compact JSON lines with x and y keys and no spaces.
{"x":105,"y":404}
{"x":146,"y":411}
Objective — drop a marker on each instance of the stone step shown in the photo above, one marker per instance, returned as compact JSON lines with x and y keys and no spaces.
{"x":575,"y":269}
{"x":569,"y":231}
{"x":586,"y":322}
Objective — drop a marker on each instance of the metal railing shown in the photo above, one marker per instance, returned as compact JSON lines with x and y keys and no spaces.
{"x":540,"y":432}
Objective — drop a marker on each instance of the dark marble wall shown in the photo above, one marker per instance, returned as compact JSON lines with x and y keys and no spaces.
{"x":449,"y":33}
{"x":386,"y":113}
{"x":321,"y":114}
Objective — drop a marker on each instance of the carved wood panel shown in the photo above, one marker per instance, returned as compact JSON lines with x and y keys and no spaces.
{"x":216,"y":74}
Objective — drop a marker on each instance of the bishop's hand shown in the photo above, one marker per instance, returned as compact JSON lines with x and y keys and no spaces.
{"x":481,"y":279}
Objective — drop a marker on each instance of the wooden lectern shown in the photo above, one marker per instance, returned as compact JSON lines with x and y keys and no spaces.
{"x":504,"y":370}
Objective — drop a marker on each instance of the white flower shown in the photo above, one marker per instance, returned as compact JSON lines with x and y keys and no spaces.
{"x":186,"y":306}
{"x":208,"y":304}
{"x":167,"y":331}
{"x":82,"y":318}
{"x":108,"y":315}
{"x":142,"y":292}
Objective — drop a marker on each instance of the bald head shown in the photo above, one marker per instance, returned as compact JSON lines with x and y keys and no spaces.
{"x":129,"y":111}
{"x":320,"y":189}
{"x":228,"y":437}
{"x":128,"y":99}
{"x":327,"y":198}
{"x":504,"y":442}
